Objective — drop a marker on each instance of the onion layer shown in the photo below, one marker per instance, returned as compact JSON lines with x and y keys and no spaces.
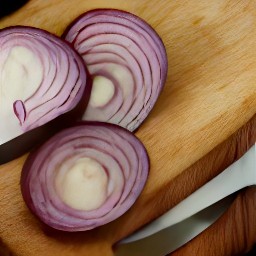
{"x":128,"y":61}
{"x":85,"y":176}
{"x":42,"y":78}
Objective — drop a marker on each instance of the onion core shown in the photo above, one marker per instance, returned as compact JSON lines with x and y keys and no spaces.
{"x":41,"y":78}
{"x":85,"y":176}
{"x":130,"y":55}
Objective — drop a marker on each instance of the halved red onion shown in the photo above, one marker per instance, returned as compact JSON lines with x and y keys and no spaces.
{"x":41,"y":78}
{"x":85,"y":176}
{"x":128,"y":61}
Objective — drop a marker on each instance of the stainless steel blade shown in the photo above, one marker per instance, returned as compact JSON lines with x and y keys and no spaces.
{"x":170,"y":239}
{"x":240,"y":174}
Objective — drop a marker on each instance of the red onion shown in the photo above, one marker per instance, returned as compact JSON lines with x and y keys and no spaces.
{"x":85,"y":176}
{"x":128,"y":61}
{"x":42,"y":78}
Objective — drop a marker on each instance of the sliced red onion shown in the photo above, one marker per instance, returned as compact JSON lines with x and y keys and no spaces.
{"x":41,"y":78}
{"x":128,"y":61}
{"x":85,"y":176}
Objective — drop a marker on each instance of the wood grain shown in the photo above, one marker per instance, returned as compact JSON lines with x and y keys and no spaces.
{"x":233,"y":234}
{"x":210,"y":93}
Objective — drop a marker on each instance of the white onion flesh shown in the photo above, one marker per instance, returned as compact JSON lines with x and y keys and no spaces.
{"x":126,"y":51}
{"x":85,"y":176}
{"x":41,"y":78}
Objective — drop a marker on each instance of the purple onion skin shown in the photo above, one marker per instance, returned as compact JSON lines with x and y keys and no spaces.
{"x":135,"y":120}
{"x":42,"y":208}
{"x":28,"y":140}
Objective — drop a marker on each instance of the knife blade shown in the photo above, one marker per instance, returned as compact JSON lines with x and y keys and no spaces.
{"x":170,"y":239}
{"x":240,"y":174}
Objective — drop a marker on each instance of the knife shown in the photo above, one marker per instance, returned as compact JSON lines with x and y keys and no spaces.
{"x":240,"y":174}
{"x":173,"y":237}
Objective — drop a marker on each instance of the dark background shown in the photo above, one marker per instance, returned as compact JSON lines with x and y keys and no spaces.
{"x":9,"y":6}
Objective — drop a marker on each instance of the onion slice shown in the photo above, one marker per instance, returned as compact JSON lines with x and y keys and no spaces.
{"x":44,"y":86}
{"x":128,"y":61}
{"x":85,"y":176}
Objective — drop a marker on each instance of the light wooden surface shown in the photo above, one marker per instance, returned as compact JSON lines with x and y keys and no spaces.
{"x":210,"y":93}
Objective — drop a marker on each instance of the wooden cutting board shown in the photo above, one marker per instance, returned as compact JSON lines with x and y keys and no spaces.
{"x":210,"y":93}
